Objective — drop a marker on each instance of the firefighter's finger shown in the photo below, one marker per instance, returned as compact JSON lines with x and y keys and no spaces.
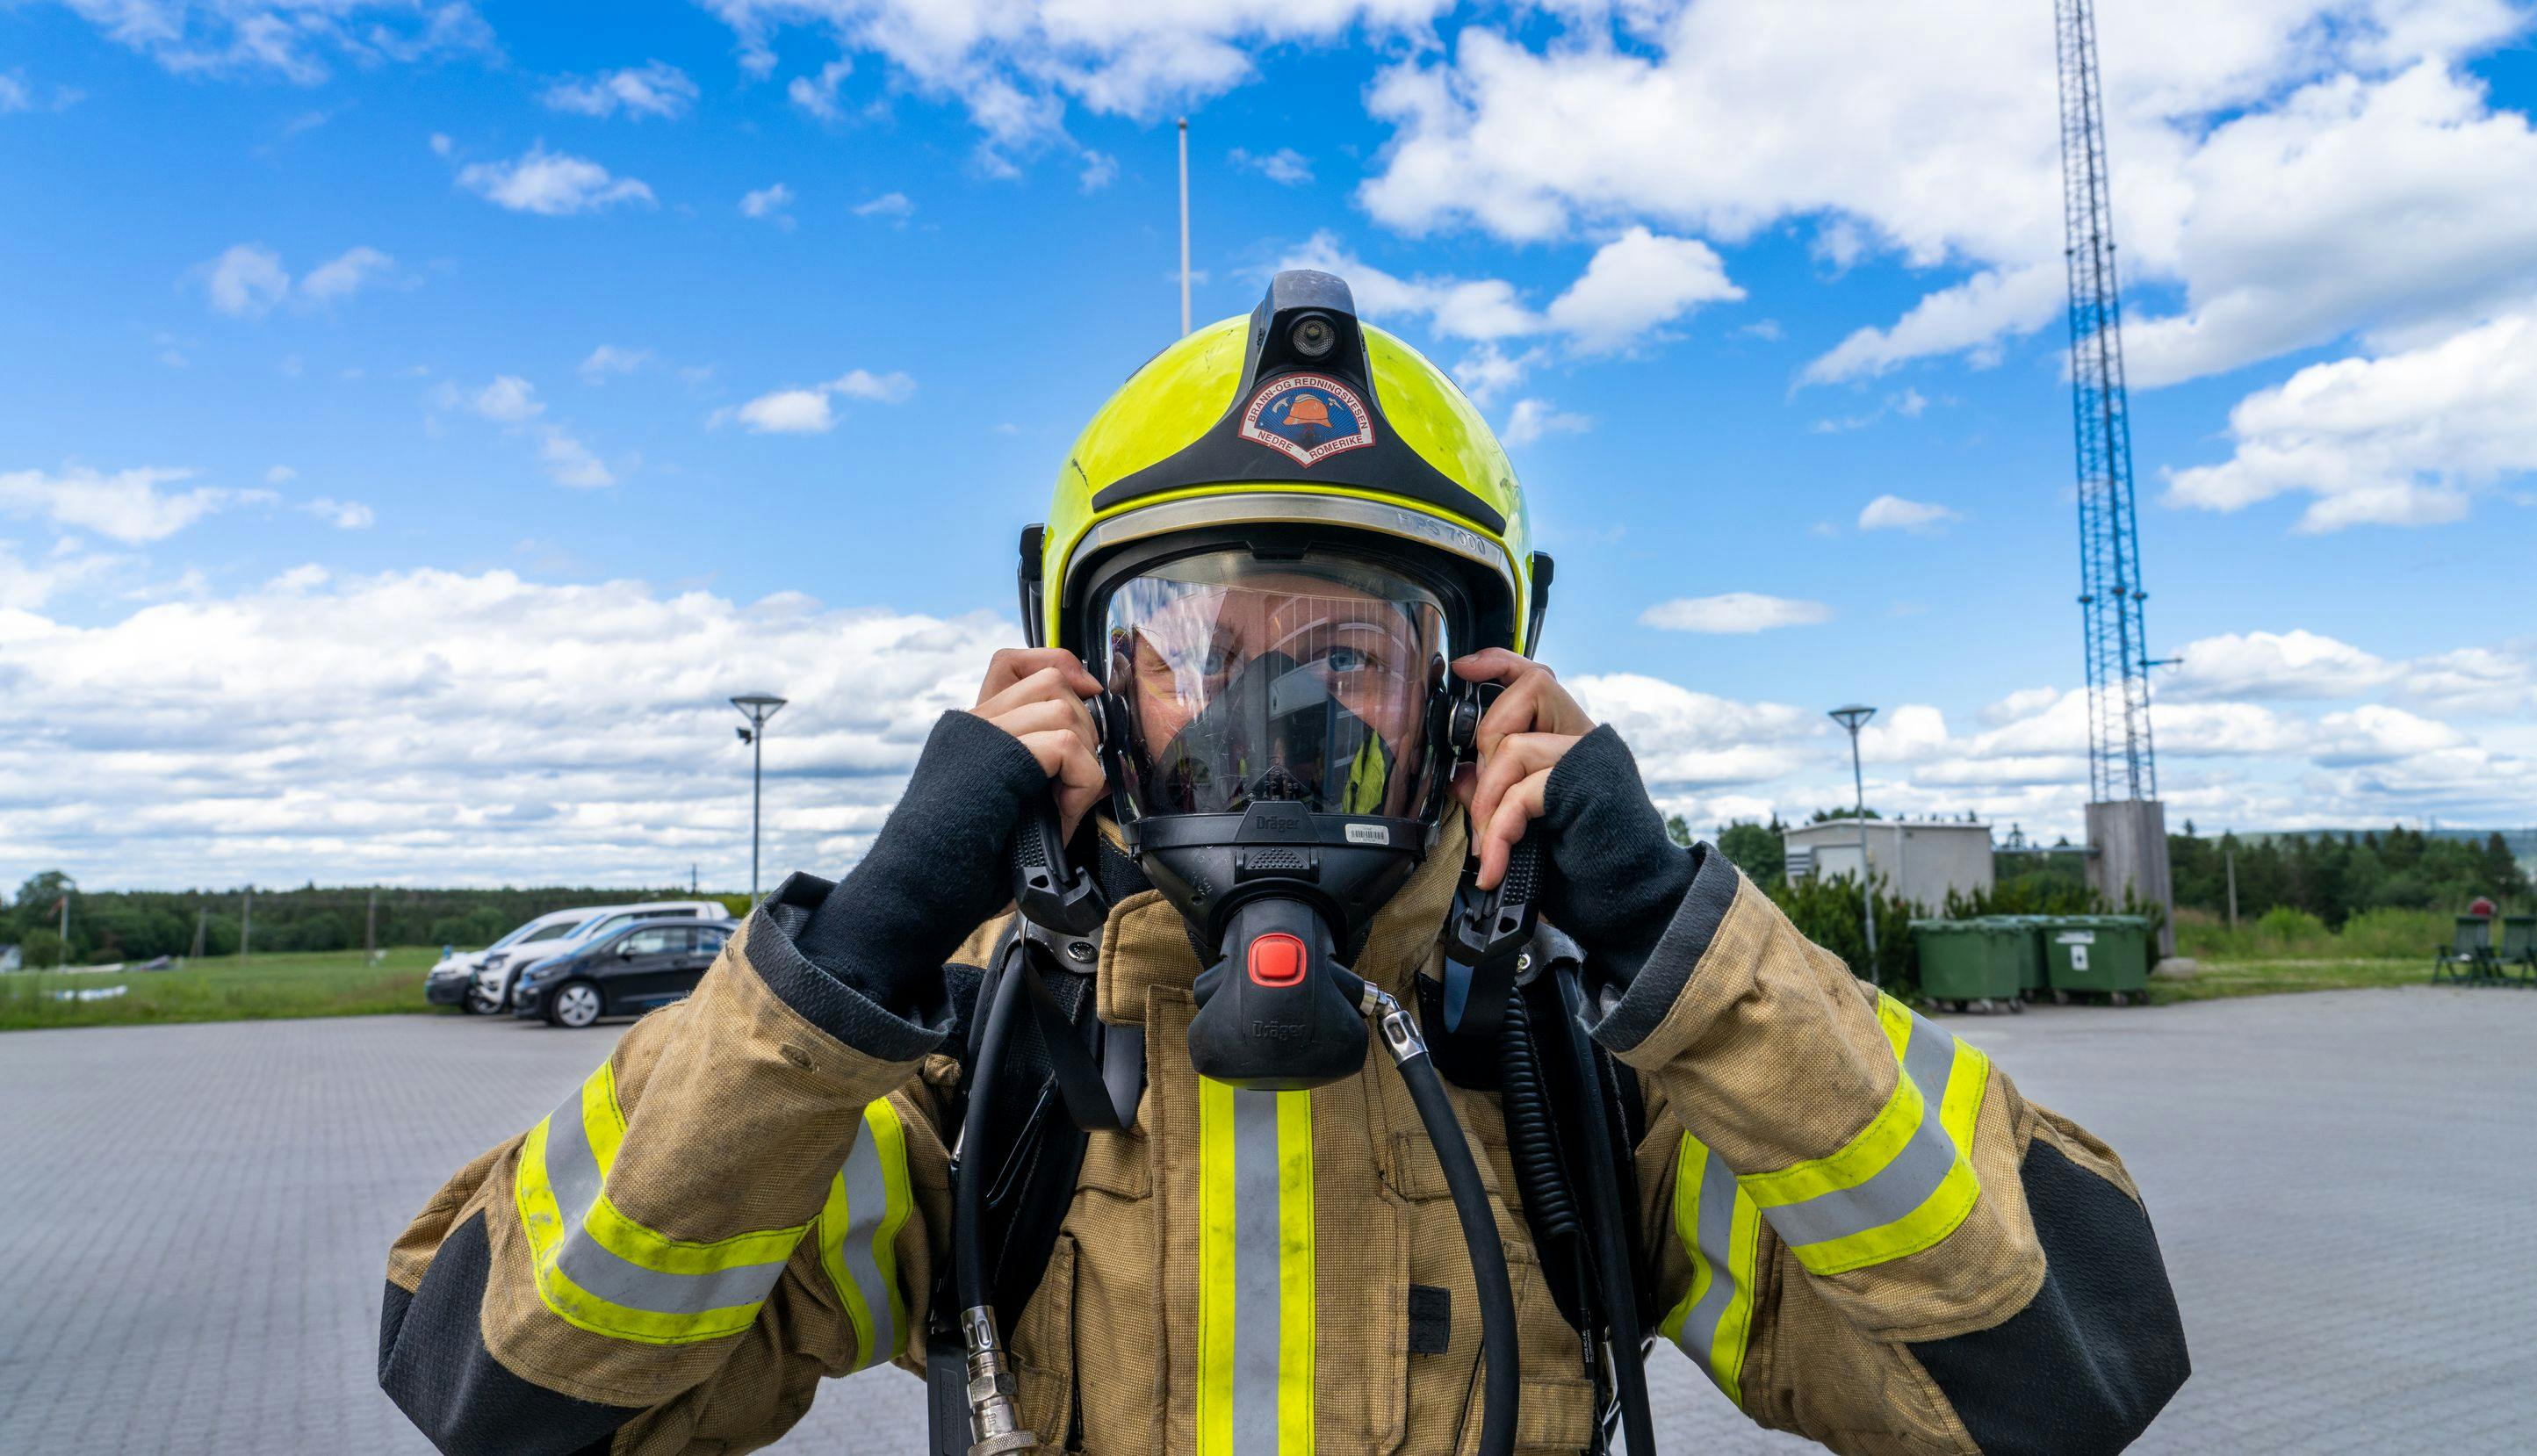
{"x":1052,"y":684}
{"x":1011,"y":665}
{"x":1515,"y":760}
{"x":1532,"y":702}
{"x":1073,"y":773}
{"x":1065,"y":712}
{"x":1515,"y":812}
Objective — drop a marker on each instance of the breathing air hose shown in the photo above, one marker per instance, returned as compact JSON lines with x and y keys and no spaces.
{"x":994,"y":1423}
{"x":1472,"y":1205}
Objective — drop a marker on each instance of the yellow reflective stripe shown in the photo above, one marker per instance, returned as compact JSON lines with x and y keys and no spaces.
{"x":1904,"y":1181}
{"x":868,"y":1201}
{"x":1721,"y":1231}
{"x":601,"y":1271}
{"x":1295,"y":1274}
{"x":1214,"y":1268}
{"x":1862,"y":1158}
{"x":889,"y":1140}
{"x":1256,"y":1293}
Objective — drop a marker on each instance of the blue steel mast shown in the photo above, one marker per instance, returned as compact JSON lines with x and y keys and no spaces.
{"x":2122,"y":763}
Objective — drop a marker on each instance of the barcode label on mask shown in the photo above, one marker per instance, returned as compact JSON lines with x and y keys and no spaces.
{"x":1368,"y":834}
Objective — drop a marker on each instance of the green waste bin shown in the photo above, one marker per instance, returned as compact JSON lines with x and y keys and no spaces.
{"x":2030,"y":950}
{"x":1967,"y":960}
{"x":2097,"y":956}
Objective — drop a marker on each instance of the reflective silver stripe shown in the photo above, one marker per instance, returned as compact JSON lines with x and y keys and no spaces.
{"x":1258,"y":1313}
{"x":1251,"y":508}
{"x":867,"y":1203}
{"x":573,"y":1170}
{"x":1718,"y":1246}
{"x":1902,"y":1185}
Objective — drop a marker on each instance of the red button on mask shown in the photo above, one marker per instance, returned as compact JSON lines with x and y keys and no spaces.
{"x":1276,"y":960}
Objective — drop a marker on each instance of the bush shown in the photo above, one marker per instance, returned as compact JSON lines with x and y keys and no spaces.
{"x":39,"y":949}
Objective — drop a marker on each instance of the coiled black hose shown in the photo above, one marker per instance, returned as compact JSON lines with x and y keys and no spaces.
{"x":1531,"y":1140}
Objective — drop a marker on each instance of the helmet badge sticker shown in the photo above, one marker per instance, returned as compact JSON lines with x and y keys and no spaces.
{"x":1308,"y":417}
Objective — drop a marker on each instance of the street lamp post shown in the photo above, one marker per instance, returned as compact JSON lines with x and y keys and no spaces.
{"x":759,"y":706}
{"x":1853,"y":717}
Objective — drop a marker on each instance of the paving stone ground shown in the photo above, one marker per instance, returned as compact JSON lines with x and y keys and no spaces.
{"x":193,"y":1221}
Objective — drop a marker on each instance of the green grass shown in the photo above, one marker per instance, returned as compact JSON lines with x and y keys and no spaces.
{"x":323,"y":983}
{"x":2220,"y":979}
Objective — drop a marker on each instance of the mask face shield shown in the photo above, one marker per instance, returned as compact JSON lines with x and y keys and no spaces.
{"x":1296,"y":682}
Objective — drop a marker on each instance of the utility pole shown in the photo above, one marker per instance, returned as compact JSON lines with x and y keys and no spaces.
{"x":64,"y":933}
{"x":692,"y":877}
{"x":1185,"y":271}
{"x":759,"y":706}
{"x":246,"y":923}
{"x":202,"y":926}
{"x":2231,"y":856}
{"x":1853,"y":717}
{"x":371,"y":928}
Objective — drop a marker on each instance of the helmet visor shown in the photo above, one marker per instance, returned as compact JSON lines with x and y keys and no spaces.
{"x":1250,"y":681}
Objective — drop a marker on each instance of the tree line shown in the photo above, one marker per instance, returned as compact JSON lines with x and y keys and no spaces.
{"x":143,"y":924}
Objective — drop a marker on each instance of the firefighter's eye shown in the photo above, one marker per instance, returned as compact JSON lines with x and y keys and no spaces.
{"x":1349,"y":659}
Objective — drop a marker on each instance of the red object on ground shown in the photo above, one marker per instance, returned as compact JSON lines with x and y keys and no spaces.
{"x":2482,"y":906}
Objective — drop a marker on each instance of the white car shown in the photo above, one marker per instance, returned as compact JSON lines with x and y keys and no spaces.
{"x":455,"y":975}
{"x":492,"y":989}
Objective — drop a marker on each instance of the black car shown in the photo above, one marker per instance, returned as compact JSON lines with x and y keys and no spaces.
{"x":648,"y":963}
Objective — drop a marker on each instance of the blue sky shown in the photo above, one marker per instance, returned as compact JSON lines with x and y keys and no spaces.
{"x":423,"y":416}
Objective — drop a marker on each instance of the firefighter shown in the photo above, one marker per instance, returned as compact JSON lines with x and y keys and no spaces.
{"x":1280,"y":568}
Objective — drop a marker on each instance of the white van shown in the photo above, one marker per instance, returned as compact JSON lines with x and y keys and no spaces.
{"x":490,"y":989}
{"x":450,"y":980}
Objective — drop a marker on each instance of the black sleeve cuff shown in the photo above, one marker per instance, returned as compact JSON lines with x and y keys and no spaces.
{"x":1660,"y":979}
{"x":937,"y":870}
{"x":434,"y":1363}
{"x":2093,"y":1358}
{"x":834,"y":1004}
{"x":1617,"y":878}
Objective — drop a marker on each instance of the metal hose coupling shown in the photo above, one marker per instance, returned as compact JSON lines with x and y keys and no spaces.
{"x":994,"y":1423}
{"x":1400,"y":1034}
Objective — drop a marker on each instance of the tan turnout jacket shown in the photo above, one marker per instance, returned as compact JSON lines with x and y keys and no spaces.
{"x":736,"y":1204}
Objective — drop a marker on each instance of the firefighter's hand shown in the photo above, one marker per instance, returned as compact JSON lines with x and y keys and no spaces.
{"x":1037,"y":694}
{"x":1522,"y":737}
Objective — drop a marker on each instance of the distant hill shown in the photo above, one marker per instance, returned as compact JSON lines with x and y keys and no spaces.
{"x":2522,"y":842}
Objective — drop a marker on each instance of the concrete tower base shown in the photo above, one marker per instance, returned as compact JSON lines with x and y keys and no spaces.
{"x":2127,"y":853}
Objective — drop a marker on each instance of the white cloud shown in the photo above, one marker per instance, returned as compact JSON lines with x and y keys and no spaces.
{"x":655,"y":89}
{"x":1894,"y":513}
{"x":1636,"y":283}
{"x":14,"y":95}
{"x":344,"y":515}
{"x":71,"y":566}
{"x":508,"y":400}
{"x":1016,"y":68}
{"x":806,"y":411}
{"x":127,"y":506}
{"x":346,"y":275}
{"x":2298,"y":168}
{"x":292,"y":39}
{"x":551,"y":184}
{"x":441,"y":145}
{"x":505,"y":731}
{"x":1532,"y":419}
{"x":1630,"y":290}
{"x":818,"y":96}
{"x":570,"y":462}
{"x":769,"y":203}
{"x":608,"y":358}
{"x":249,"y":281}
{"x":2400,"y":439}
{"x":1286,"y":166}
{"x":886,"y":204}
{"x":280,"y":474}
{"x":245,"y":281}
{"x":512,"y":402}
{"x":1734,"y":613}
{"x":1100,"y":170}
{"x":2274,"y":665}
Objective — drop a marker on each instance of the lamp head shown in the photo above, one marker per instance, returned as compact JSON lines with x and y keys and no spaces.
{"x":1852,"y":716}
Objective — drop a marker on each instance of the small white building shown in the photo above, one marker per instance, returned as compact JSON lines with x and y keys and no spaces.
{"x":1920,"y":860}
